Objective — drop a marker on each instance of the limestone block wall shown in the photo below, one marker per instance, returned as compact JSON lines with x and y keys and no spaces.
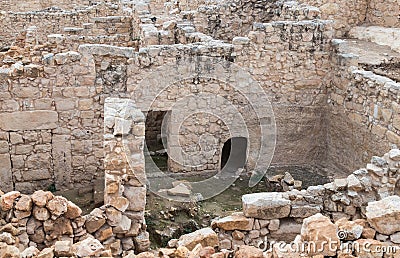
{"x":15,"y":23}
{"x":228,"y":19}
{"x":35,"y":5}
{"x":384,"y":13}
{"x":58,"y":105}
{"x":345,"y":14}
{"x":291,"y":61}
{"x":363,"y":115}
{"x":201,"y":135}
{"x":195,"y":94}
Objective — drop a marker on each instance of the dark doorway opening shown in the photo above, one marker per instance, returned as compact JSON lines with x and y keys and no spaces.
{"x":234,"y":154}
{"x":154,"y":141}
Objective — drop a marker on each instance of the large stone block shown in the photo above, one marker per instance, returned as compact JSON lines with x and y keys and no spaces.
{"x":384,"y":215}
{"x":28,"y":120}
{"x":320,"y":231}
{"x":234,"y":222}
{"x":6,"y":183}
{"x":266,"y":205}
{"x":204,"y":236}
{"x":136,"y":197}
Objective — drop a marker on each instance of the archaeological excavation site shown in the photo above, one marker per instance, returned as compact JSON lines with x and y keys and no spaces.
{"x":200,"y":128}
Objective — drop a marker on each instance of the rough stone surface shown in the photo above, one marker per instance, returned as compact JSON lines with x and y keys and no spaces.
{"x":28,"y":120}
{"x":234,"y":222}
{"x":266,"y":205}
{"x":205,"y":237}
{"x":384,"y":215}
{"x":321,"y":230}
{"x":249,"y":252}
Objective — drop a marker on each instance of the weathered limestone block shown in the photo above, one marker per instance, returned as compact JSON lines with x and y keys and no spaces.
{"x":352,"y":229}
{"x":95,"y":220}
{"x":47,"y":253}
{"x":114,"y":216}
{"x":7,"y":238}
{"x":61,"y":154}
{"x":24,"y":203}
{"x":394,"y":154}
{"x":319,"y":230}
{"x":142,"y":242}
{"x":5,"y":173}
{"x":124,"y":225}
{"x":136,"y":197}
{"x":40,"y":198}
{"x":266,"y":205}
{"x":57,"y":206}
{"x":73,"y":211}
{"x":41,"y":213}
{"x":104,"y":233}
{"x":353,"y":183}
{"x":28,"y":120}
{"x":7,"y":200}
{"x":205,"y":237}
{"x":236,"y":221}
{"x":56,"y":228}
{"x":9,"y":251}
{"x":384,"y":215}
{"x":119,"y":202}
{"x":63,"y":248}
{"x":88,"y":247}
{"x":248,"y":252}
{"x":30,"y":252}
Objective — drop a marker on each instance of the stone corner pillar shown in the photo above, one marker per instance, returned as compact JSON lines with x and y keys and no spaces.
{"x":124,"y":164}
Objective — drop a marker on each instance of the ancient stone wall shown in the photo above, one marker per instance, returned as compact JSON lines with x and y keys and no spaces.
{"x":363,"y":117}
{"x":229,"y":19}
{"x":125,"y":178}
{"x":290,"y":59}
{"x":35,"y":5}
{"x":384,"y":13}
{"x":60,"y":106}
{"x":44,"y":218}
{"x":269,"y":217}
{"x":291,"y":70}
{"x":86,"y":22}
{"x":345,"y":14}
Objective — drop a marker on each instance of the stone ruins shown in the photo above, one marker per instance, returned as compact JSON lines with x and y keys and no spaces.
{"x":88,"y":88}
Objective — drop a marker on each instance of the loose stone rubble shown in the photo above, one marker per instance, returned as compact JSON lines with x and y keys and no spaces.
{"x":52,"y":226}
{"x":73,"y":90}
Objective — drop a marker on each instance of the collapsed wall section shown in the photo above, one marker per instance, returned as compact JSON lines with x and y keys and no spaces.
{"x":268,"y":218}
